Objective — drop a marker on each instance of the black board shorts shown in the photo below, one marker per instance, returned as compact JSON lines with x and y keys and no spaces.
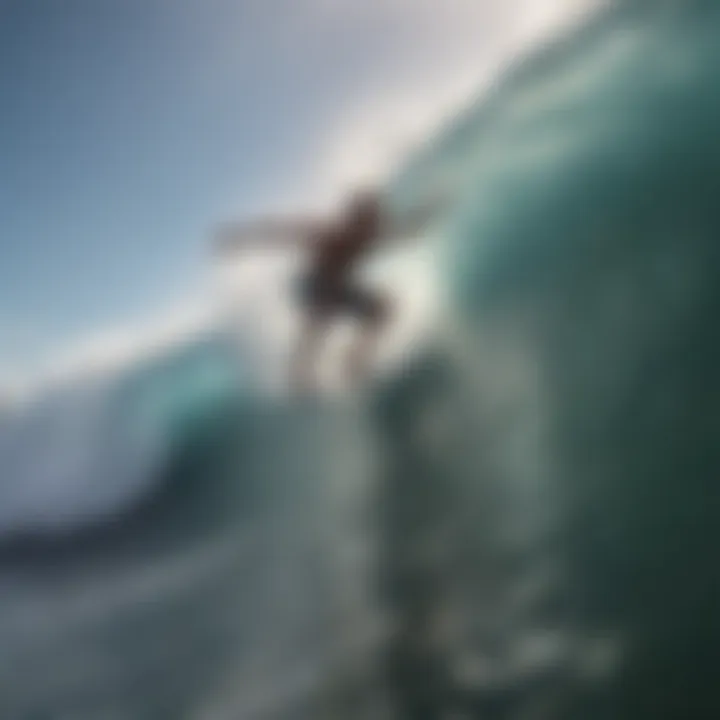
{"x":345,"y":297}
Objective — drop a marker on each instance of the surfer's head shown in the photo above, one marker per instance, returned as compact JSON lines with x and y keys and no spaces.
{"x":363,"y":213}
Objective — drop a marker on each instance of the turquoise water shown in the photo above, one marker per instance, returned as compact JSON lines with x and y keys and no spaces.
{"x":579,"y":257}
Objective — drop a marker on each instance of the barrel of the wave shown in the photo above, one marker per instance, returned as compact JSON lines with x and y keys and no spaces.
{"x":580,"y":261}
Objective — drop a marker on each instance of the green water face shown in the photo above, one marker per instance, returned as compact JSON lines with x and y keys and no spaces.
{"x":580,"y":258}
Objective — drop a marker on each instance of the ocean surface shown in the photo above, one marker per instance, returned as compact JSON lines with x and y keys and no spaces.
{"x":520,"y":521}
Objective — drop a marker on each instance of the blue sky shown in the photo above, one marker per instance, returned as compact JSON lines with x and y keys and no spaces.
{"x":129,"y":127}
{"x":126,"y":127}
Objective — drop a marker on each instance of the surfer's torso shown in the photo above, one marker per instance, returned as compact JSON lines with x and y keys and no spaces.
{"x":336,"y":252}
{"x":328,"y":284}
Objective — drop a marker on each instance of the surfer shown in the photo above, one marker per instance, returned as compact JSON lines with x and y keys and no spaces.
{"x":328,"y":289}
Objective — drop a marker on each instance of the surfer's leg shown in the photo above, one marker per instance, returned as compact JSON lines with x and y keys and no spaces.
{"x":314,"y":306}
{"x":374,"y":311}
{"x":303,"y":363}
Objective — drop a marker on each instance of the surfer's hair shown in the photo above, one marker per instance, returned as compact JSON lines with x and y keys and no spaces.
{"x":364,"y":203}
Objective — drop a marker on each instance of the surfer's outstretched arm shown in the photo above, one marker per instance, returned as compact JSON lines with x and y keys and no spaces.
{"x":266,"y":232}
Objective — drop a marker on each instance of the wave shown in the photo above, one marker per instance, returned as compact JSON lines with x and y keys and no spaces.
{"x":186,"y":547}
{"x":579,"y":262}
{"x":89,"y":449}
{"x":548,"y":468}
